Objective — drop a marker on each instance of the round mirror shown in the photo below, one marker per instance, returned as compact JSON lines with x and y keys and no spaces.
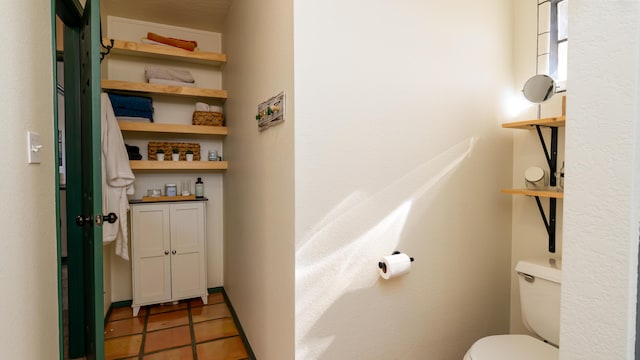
{"x":539,"y":88}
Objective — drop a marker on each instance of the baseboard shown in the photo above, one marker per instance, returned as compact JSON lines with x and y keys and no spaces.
{"x":243,"y":336}
{"x":122,"y":303}
{"x":117,"y":304}
{"x":216,"y":289}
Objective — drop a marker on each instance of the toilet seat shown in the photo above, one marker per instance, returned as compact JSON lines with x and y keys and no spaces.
{"x":510,"y":347}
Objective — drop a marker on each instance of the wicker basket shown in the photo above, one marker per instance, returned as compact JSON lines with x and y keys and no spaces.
{"x":209,"y":118}
{"x":168,"y":147}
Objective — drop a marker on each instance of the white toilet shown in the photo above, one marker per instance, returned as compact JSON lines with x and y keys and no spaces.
{"x":540,"y":305}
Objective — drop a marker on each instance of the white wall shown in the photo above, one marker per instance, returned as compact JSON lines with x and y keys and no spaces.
{"x":529,"y":236}
{"x":172,"y":110}
{"x":399,"y":146}
{"x":259,"y":186}
{"x":602,"y":196}
{"x":28,"y":261}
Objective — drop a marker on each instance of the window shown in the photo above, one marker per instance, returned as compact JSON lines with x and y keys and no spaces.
{"x":553,"y":41}
{"x":562,"y":43}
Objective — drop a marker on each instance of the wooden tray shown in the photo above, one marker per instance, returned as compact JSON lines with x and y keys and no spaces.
{"x":167,"y":198}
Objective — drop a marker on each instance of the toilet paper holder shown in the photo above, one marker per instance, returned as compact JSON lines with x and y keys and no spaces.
{"x":382,"y":265}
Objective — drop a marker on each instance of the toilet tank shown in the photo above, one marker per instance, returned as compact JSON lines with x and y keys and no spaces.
{"x":539,"y":282}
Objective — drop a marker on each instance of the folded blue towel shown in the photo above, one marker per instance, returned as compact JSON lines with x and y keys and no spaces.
{"x":132,"y":105}
{"x":133,"y":113}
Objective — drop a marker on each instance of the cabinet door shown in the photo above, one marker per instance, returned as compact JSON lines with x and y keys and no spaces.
{"x":150,"y":254}
{"x":188,"y":269}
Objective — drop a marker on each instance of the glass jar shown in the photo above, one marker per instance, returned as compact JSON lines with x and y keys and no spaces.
{"x":170,"y":190}
{"x":213,"y":155}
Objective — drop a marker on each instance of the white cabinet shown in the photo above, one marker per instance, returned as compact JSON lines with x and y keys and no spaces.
{"x":168,"y":252}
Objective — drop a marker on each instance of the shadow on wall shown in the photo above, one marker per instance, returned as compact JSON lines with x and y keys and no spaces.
{"x":339,"y":255}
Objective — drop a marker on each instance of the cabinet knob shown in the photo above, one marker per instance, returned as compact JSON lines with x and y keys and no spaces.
{"x":166,"y":252}
{"x":173,"y":252}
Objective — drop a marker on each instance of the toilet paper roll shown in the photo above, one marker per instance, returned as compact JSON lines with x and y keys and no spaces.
{"x":394,"y":265}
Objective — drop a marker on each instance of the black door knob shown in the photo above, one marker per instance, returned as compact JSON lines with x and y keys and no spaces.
{"x":110,"y":218}
{"x":83,"y":220}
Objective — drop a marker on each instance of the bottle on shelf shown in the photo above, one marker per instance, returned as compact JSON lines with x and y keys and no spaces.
{"x":199,"y":189}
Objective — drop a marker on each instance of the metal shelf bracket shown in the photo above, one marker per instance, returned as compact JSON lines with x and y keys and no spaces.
{"x":551,"y":155}
{"x":549,"y":224}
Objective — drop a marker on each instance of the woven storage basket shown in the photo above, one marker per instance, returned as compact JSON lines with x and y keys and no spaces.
{"x":209,"y":118}
{"x":168,"y":150}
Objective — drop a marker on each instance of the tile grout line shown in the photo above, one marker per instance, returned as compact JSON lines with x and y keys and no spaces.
{"x":220,"y":338}
{"x":192,"y":331}
{"x":144,"y":335}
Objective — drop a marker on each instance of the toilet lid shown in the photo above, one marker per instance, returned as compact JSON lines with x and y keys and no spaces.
{"x":510,"y":347}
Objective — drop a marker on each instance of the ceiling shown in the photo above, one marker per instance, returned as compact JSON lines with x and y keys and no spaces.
{"x":207,"y":15}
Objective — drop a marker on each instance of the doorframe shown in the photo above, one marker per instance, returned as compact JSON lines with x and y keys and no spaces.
{"x":56,"y":154}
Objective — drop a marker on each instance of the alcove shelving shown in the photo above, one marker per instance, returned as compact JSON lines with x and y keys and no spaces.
{"x":215,"y":60}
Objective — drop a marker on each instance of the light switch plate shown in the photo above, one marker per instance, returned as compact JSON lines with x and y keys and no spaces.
{"x":34,"y":147}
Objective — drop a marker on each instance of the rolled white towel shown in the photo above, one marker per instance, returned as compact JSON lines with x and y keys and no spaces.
{"x":215,"y":108}
{"x":158,"y":72}
{"x":200,"y":106}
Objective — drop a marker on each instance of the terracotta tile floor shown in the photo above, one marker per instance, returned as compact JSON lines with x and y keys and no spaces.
{"x":188,"y":330}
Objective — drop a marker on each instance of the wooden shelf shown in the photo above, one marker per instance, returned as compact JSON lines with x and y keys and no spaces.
{"x":177,"y":165}
{"x":169,"y":52}
{"x":558,"y":121}
{"x":539,"y":193}
{"x":528,"y":124}
{"x":163,"y":89}
{"x":134,"y":126}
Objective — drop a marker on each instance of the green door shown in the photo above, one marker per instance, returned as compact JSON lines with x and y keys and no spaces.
{"x":73,"y":148}
{"x":84,"y":179}
{"x":91,"y":179}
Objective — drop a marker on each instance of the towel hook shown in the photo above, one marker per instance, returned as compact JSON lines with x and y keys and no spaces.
{"x":107,"y":47}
